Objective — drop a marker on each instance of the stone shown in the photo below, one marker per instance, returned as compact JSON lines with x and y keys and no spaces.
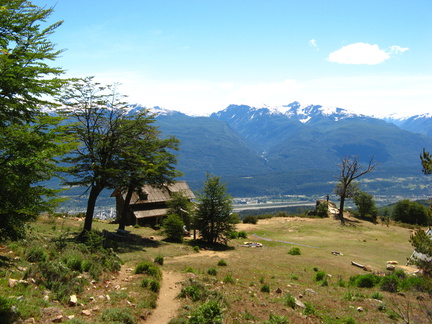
{"x":278,"y":291}
{"x":86,"y":312}
{"x":299,"y":303}
{"x":360,"y":309}
{"x":390,"y":267}
{"x":310,"y":291}
{"x":73,"y":300}
{"x":12,"y":282}
{"x":367,"y":268}
{"x":57,"y":319}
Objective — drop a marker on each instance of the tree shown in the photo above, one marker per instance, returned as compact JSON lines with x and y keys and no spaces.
{"x":173,"y":228}
{"x":117,"y":149}
{"x":410,"y":212}
{"x":350,"y":170}
{"x":422,"y":243}
{"x":214,"y":211}
{"x":30,"y":140}
{"x":366,"y":205}
{"x":426,"y":160}
{"x":181,"y":206}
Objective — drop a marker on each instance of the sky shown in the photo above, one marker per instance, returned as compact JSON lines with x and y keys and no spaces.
{"x":199,"y":56}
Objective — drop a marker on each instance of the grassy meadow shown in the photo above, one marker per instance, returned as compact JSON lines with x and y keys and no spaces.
{"x":252,"y":285}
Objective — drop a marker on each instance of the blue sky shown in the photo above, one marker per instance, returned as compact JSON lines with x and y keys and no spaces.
{"x":370,"y":57}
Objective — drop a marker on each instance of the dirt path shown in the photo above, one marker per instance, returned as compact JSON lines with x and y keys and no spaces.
{"x":167,"y":304}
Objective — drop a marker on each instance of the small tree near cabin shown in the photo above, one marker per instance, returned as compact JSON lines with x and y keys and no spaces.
{"x":350,"y":170}
{"x":366,"y":205}
{"x":214,"y":211}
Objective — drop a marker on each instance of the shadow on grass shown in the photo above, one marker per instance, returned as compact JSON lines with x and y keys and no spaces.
{"x":5,"y":262}
{"x":134,"y":242}
{"x":209,"y":246}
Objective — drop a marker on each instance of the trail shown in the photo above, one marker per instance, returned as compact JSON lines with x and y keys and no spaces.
{"x":267,"y":239}
{"x":167,"y":303}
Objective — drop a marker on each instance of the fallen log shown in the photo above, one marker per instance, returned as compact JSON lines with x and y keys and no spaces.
{"x":357,"y":264}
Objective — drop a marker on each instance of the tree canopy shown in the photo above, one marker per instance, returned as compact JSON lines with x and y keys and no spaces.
{"x":30,"y":140}
{"x":411,"y":212}
{"x":214,"y":211}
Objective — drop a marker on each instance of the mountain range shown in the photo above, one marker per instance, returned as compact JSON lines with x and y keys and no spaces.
{"x":296,"y":149}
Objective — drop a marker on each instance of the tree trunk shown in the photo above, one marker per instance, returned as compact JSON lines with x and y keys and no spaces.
{"x":94,"y":193}
{"x":341,"y":209}
{"x":125,"y":209}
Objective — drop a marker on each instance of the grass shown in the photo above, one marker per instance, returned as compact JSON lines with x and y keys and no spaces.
{"x":249,"y":281}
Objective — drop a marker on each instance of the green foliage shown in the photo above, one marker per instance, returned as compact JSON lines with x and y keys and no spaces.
{"x":410,"y":212}
{"x":208,"y":313}
{"x":196,"y":248}
{"x":36,"y":254}
{"x":181,"y":206}
{"x":242,"y":234}
{"x":212,"y":272}
{"x":309,"y":309}
{"x":222,"y":263}
{"x":365,"y":281}
{"x":377,"y":295}
{"x":148,"y":268}
{"x":426,"y":161}
{"x":214,"y":218}
{"x":6,"y":313}
{"x":322,"y":210}
{"x":265,"y":288}
{"x":365,"y":205}
{"x":159,"y":259}
{"x":277,"y":319}
{"x":422,"y":243}
{"x":289,"y":301}
{"x":319,"y":275}
{"x":173,"y":228}
{"x":194,"y":291}
{"x":294,"y":251}
{"x":390,"y":283}
{"x":250,"y":219}
{"x":117,"y":315}
{"x":229,"y":279}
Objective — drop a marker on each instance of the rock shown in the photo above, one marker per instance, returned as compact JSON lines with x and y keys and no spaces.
{"x":30,"y":320}
{"x":278,"y":291}
{"x":108,"y":297}
{"x":86,"y":312}
{"x":299,"y":303}
{"x":367,"y":268}
{"x":360,"y":309}
{"x":12,"y":282}
{"x":57,"y":319}
{"x":390,"y":267}
{"x":73,"y":300}
{"x":392,"y":262}
{"x":310,"y":291}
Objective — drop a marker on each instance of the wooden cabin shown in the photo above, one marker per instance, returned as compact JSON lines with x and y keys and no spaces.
{"x":149,"y":206}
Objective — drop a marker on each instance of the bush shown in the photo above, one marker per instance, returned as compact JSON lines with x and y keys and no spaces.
{"x":277,"y":319}
{"x":196,"y":248}
{"x":195,"y":291}
{"x":118,"y":316}
{"x":365,"y":281}
{"x":159,"y":260}
{"x":294,"y":251}
{"x":229,"y":279}
{"x":208,"y":313}
{"x":242,"y":234}
{"x":410,"y":212}
{"x":212,"y":272}
{"x":289,"y":301}
{"x":232,"y":235}
{"x":322,"y":210}
{"x":36,"y":254}
{"x":173,"y":228}
{"x":265,"y":288}
{"x":309,"y":309}
{"x":377,"y":295}
{"x":389,"y":283}
{"x":222,"y":263}
{"x":250,"y":219}
{"x":148,"y":268}
{"x":319,"y":275}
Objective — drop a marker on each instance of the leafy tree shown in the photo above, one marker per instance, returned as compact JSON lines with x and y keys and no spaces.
{"x":426,"y":160}
{"x":182,"y":206}
{"x":350,"y":170}
{"x":214,"y":211}
{"x":117,"y":149}
{"x":366,"y":205}
{"x":30,"y":140}
{"x":173,"y":228}
{"x":422,"y":243}
{"x":410,"y":212}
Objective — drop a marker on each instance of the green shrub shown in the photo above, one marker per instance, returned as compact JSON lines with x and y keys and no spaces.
{"x":136,"y":226}
{"x":173,"y":228}
{"x":148,"y":268}
{"x":294,"y":276}
{"x":222,"y":263}
{"x":265,"y":288}
{"x":191,"y":270}
{"x":319,"y":275}
{"x":250,"y":219}
{"x":193,"y":291}
{"x":365,"y":281}
{"x":242,"y":234}
{"x":322,"y":210}
{"x":208,"y":313}
{"x":155,"y":285}
{"x":277,"y":319}
{"x":196,"y":248}
{"x":309,"y":309}
{"x":36,"y":254}
{"x":377,"y":295}
{"x":232,"y":235}
{"x":118,"y":316}
{"x":389,"y":283}
{"x":229,"y":279}
{"x":159,"y":259}
{"x":289,"y":301}
{"x":350,"y":320}
{"x":212,"y":272}
{"x":294,"y":251}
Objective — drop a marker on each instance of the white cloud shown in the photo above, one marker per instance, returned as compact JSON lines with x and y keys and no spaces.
{"x":313,"y":43}
{"x":363,"y":53}
{"x":359,"y":53}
